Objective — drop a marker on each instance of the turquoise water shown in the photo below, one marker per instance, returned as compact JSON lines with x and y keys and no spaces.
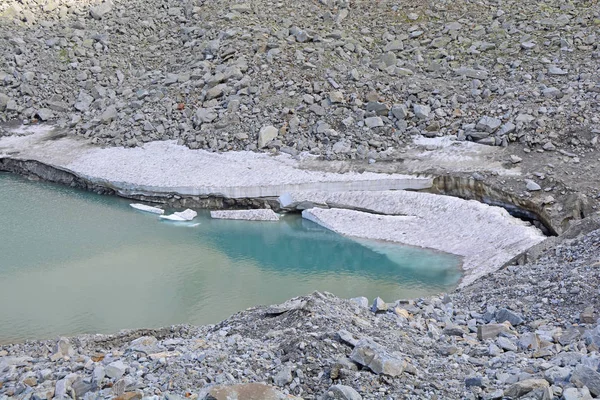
{"x":73,"y":262}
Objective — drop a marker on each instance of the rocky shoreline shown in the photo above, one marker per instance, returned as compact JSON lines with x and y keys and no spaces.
{"x":524,"y":332}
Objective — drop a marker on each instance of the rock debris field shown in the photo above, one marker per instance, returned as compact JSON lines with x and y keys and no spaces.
{"x":341,"y":80}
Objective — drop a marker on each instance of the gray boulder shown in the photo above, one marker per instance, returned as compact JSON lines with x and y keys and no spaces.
{"x":488,"y":124}
{"x":506,"y":315}
{"x":341,"y":392}
{"x":421,"y":111}
{"x":373,"y":122}
{"x":283,"y":376}
{"x":115,"y":369}
{"x":585,"y":376}
{"x":99,"y":11}
{"x":266,"y":134}
{"x":377,"y":359}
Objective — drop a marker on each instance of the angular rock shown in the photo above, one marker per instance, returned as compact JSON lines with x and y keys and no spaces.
{"x":342,"y":392}
{"x":216,"y":91}
{"x":377,"y":359}
{"x":400,"y":111}
{"x":44,"y":114}
{"x":205,"y":115}
{"x":4,"y":99}
{"x":532,"y":186}
{"x":266,"y":134}
{"x":587,"y":316}
{"x":472,"y":73}
{"x":586,"y":376}
{"x":529,"y":341}
{"x":378,"y":108}
{"x":453,"y":330}
{"x":248,"y":391}
{"x":421,"y":111}
{"x":283,"y":376}
{"x":290,"y":305}
{"x":506,"y":344}
{"x":373,"y":122}
{"x":553,"y":70}
{"x":379,"y":305}
{"x":99,"y":11}
{"x":515,"y":159}
{"x":504,"y":314}
{"x":341,"y":365}
{"x":84,"y":100}
{"x":348,"y":337}
{"x":64,"y":348}
{"x":577,"y":394}
{"x":116,"y":369}
{"x":110,"y":114}
{"x":521,"y":388}
{"x":490,"y":331}
{"x":361,"y":301}
{"x":394,"y":45}
{"x":336,"y":97}
{"x":488,"y":124}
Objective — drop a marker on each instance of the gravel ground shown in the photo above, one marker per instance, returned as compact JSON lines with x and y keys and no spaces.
{"x":342,"y":79}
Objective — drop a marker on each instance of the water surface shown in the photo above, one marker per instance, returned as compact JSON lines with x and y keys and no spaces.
{"x":74,"y":262}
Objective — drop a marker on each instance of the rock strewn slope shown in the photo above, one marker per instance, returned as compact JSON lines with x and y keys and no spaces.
{"x":339,"y":78}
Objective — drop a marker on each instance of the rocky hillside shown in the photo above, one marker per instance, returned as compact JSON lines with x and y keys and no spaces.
{"x":339,"y":78}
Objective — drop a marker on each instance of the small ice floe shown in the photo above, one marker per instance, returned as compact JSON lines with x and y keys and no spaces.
{"x":150,"y":209}
{"x":186,"y":215}
{"x":248,"y":215}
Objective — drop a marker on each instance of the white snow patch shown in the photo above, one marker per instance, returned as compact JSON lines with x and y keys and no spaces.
{"x":485,"y":236}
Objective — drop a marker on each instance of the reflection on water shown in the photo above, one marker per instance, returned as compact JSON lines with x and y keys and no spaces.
{"x":73,"y":262}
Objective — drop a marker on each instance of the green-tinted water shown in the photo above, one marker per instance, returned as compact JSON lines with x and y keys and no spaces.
{"x":73,"y":262}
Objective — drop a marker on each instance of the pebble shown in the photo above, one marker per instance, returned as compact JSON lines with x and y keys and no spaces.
{"x":532,"y":186}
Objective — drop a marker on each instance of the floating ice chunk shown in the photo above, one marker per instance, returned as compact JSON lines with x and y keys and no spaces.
{"x":173,"y":217}
{"x":187,"y":215}
{"x":150,"y":209}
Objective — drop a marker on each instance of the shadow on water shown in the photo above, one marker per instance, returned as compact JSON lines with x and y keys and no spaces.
{"x":300,"y":246}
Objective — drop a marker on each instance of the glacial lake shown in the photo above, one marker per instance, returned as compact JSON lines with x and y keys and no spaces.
{"x":74,"y":262}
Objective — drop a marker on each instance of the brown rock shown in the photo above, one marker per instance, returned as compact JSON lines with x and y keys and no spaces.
{"x":490,"y":331}
{"x":401,"y":312}
{"x":587,"y":316}
{"x":522,"y":388}
{"x":129,"y":396}
{"x":31,"y":381}
{"x":247,"y":391}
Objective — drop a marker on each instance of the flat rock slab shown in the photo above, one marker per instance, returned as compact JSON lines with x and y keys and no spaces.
{"x":246,"y":391}
{"x":165,"y":167}
{"x":247,"y":215}
{"x":486,"y":237}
